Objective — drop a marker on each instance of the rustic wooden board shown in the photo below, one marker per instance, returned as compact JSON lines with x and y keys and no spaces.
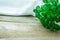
{"x":24,"y":28}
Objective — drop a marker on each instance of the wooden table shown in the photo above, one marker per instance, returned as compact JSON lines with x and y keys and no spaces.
{"x":24,"y":28}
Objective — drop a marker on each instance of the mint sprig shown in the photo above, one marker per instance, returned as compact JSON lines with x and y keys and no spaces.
{"x":49,"y":14}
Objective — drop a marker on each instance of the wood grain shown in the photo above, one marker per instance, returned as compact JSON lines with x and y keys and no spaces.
{"x":26,"y":28}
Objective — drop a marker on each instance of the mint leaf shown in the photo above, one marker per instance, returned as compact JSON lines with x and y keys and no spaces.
{"x":48,"y":14}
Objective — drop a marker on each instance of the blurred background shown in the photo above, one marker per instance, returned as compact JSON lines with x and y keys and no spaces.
{"x":18,"y":7}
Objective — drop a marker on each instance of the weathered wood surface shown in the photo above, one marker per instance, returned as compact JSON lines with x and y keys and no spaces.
{"x":24,"y":28}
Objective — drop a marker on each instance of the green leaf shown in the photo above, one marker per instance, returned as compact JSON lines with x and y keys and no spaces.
{"x":38,"y":9}
{"x":48,"y":14}
{"x":45,"y":1}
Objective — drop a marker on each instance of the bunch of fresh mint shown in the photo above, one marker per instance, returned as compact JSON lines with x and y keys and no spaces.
{"x":49,"y":14}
